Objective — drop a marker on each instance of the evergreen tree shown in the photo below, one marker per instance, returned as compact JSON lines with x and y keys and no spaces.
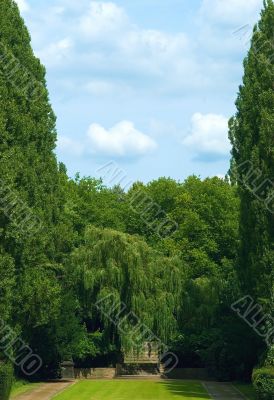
{"x":31,"y":196}
{"x":252,"y":137}
{"x":252,"y":167}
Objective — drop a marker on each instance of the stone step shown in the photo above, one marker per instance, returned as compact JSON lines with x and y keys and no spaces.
{"x":141,"y":360}
{"x":139,"y":377}
{"x":131,"y":369}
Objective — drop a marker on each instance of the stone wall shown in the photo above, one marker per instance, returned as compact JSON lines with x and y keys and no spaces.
{"x":95,"y":373}
{"x":137,"y":369}
{"x":111,"y":373}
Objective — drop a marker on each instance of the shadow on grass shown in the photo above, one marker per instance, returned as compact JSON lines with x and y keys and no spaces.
{"x":185,"y":389}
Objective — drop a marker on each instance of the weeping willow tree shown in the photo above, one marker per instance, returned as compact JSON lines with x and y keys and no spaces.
{"x":127,"y":289}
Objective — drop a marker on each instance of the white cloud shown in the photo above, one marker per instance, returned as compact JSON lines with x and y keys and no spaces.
{"x":23,"y":5}
{"x":122,"y":140}
{"x":230,"y":11}
{"x":124,"y":45}
{"x":102,"y":18}
{"x":209,"y":134}
{"x":107,"y":40}
{"x":56,"y":52}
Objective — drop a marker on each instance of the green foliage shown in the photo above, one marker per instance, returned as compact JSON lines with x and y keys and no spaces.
{"x":227,"y":357}
{"x":263,"y":381}
{"x":41,"y":306}
{"x":6,"y":379}
{"x":252,"y":169}
{"x":114,"y":264}
{"x":73,"y":339}
{"x":251,"y":134}
{"x":6,"y":285}
{"x":29,"y":259}
{"x":88,"y":201}
{"x":269,"y":362}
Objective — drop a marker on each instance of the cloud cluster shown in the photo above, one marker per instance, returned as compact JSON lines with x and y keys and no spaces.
{"x":102,"y":52}
{"x":209,"y":135}
{"x":108,"y":40}
{"x":123,"y":140}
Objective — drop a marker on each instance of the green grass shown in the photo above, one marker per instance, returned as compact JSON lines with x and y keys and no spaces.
{"x":21,"y":387}
{"x":247,"y":390}
{"x":134,"y":390}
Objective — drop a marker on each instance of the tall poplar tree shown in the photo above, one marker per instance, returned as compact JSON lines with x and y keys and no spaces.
{"x":30,"y":194}
{"x":252,"y":137}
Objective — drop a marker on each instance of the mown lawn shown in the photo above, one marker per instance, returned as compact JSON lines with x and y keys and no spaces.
{"x":134,"y":390}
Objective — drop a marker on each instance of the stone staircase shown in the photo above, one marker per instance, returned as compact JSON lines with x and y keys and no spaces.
{"x":142,"y":364}
{"x":140,"y":371}
{"x":141,"y":359}
{"x":95,"y":373}
{"x":140,"y":377}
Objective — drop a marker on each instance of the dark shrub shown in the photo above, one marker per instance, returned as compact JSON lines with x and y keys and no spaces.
{"x":263,"y":381}
{"x":6,"y":378}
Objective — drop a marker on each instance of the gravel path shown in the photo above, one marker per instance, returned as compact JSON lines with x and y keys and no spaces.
{"x":44,"y":392}
{"x":223,"y":391}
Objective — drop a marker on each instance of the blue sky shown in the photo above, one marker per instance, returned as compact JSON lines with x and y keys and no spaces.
{"x":149,"y":84}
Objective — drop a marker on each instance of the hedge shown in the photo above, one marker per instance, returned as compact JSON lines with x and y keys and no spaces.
{"x":263,"y":381}
{"x":6,"y":379}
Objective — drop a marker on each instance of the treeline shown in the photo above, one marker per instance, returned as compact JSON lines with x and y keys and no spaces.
{"x":176,"y":255}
